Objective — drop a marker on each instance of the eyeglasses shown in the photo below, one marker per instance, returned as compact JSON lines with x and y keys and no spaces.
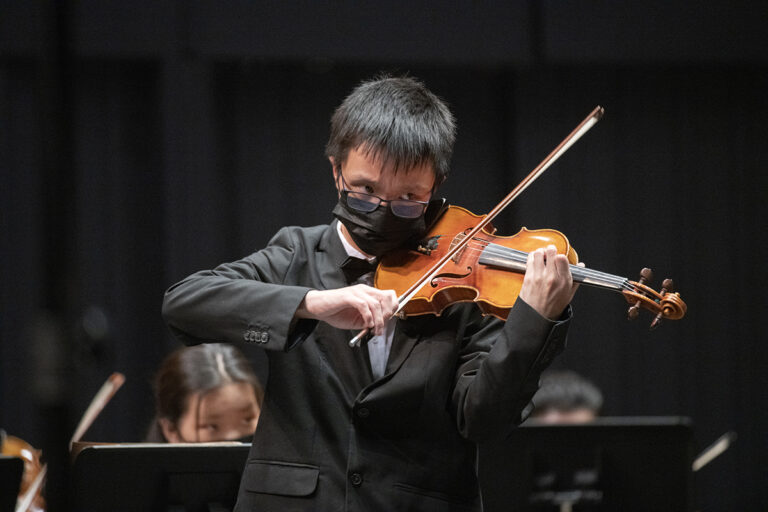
{"x":362,"y":202}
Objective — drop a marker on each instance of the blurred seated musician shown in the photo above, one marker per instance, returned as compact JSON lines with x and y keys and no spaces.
{"x":205,"y":393}
{"x":565,"y":397}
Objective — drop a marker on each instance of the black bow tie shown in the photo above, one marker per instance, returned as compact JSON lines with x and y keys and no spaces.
{"x":355,"y":268}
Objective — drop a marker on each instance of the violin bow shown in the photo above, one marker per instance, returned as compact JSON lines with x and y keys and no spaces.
{"x":556,"y":153}
{"x":100,"y":400}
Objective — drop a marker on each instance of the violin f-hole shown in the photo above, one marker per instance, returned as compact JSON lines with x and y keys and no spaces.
{"x":448,"y":275}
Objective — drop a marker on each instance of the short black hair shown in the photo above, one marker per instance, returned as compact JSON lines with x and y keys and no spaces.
{"x":566,"y":390}
{"x":397,"y":120}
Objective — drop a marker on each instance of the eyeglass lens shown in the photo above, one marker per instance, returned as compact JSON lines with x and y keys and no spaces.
{"x":400,"y":207}
{"x":363,"y":202}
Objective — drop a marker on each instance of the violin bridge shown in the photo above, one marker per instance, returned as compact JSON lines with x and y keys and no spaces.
{"x":458,"y":238}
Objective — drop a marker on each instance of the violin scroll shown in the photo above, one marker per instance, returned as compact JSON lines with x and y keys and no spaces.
{"x":665,"y":303}
{"x":645,"y":277}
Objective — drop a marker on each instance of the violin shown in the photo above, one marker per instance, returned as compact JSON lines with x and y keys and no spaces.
{"x":462,"y":260}
{"x":489,"y":271}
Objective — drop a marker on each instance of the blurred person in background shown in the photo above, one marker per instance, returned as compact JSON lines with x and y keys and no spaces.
{"x":205,"y":393}
{"x":564,"y":396}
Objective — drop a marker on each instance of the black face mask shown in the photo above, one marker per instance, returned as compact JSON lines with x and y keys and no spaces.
{"x":379,"y":231}
{"x":244,"y":439}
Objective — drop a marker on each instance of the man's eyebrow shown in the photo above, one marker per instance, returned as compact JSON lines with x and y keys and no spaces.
{"x":362,"y":181}
{"x":425,"y":189}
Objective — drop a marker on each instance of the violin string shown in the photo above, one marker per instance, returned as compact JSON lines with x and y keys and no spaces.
{"x":580,"y":273}
{"x":491,"y":249}
{"x":577,"y":271}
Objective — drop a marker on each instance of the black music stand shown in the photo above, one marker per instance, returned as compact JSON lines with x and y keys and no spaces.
{"x":628,"y":464}
{"x":11,"y":469}
{"x":158,"y":477}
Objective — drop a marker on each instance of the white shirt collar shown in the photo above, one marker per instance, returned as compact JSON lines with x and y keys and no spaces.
{"x":351,"y":251}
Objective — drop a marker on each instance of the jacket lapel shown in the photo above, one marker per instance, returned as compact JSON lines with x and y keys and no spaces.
{"x":330,"y":255}
{"x":403,"y":341}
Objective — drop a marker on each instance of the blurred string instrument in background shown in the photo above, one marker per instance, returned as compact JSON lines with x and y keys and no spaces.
{"x":30,"y":498}
{"x":462,"y":260}
{"x":33,"y":473}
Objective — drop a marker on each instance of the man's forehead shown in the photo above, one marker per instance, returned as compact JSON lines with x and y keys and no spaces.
{"x":380,"y":166}
{"x":389,"y":162}
{"x":415,"y":180}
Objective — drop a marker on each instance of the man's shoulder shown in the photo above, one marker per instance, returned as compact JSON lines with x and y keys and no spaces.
{"x":308,"y":236}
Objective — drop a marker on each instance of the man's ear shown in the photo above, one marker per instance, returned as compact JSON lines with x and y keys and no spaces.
{"x":335,"y":169}
{"x":170,"y":432}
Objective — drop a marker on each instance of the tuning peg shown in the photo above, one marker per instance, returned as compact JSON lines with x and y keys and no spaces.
{"x":645,"y":277}
{"x":667,"y":286}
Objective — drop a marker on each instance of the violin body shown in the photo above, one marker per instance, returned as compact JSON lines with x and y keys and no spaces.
{"x":467,"y":277}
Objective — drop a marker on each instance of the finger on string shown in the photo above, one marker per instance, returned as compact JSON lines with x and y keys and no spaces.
{"x":562,"y":266}
{"x":550,"y":252}
{"x":531,"y":258}
{"x":539,"y":258}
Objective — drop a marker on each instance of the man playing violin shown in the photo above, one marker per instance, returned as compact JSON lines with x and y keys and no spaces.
{"x":390,"y":424}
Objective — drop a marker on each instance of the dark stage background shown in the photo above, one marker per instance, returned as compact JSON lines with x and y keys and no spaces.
{"x":143,"y":140}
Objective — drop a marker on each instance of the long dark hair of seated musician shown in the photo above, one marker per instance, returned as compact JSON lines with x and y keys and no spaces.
{"x":205,"y":393}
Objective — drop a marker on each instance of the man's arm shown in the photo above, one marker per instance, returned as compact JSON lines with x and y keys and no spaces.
{"x":248,"y":300}
{"x":243,"y":301}
{"x":500,"y":364}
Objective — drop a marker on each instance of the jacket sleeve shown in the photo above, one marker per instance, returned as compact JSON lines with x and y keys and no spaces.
{"x":499,"y":369}
{"x":243,"y":301}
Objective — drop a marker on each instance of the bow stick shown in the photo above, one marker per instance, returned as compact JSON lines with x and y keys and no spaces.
{"x":561,"y":148}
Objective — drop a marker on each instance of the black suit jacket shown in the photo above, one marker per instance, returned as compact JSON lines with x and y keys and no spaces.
{"x":330,"y":436}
